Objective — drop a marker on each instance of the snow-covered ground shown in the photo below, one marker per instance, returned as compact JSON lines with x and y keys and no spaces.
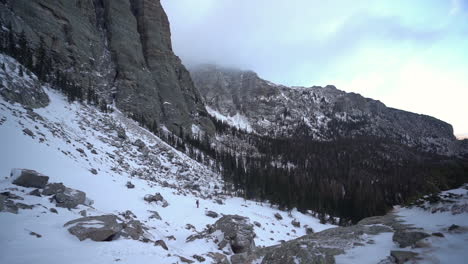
{"x":436,"y":218}
{"x":71,"y":140}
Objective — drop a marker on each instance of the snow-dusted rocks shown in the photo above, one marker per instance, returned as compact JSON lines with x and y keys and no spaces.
{"x":70,"y":198}
{"x":401,"y":257}
{"x":296,"y":223}
{"x":408,"y":238}
{"x":156,"y":198}
{"x":235,"y":232}
{"x":278,"y":216}
{"x":29,"y":178}
{"x":96,"y":228}
{"x":211,"y":214}
{"x":26,"y":89}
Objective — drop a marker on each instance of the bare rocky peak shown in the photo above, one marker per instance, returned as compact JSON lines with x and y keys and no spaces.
{"x":322,"y":112}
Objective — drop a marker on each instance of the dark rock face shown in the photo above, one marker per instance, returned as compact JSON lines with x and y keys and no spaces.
{"x":96,"y":228}
{"x":29,"y":178}
{"x":121,"y":48}
{"x":26,"y":91}
{"x":320,"y":112}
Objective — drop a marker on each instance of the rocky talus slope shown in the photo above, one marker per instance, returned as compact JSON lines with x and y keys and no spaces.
{"x":244,"y":99}
{"x":121,"y":48}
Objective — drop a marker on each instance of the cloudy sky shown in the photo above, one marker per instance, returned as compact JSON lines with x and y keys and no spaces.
{"x":411,"y":55}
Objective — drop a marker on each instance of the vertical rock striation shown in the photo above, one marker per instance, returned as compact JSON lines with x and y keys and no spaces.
{"x":120,"y":48}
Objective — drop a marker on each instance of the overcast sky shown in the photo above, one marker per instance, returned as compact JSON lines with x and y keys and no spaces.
{"x":409,"y":54}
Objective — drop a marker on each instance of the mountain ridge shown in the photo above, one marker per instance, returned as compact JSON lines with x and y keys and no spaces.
{"x":274,"y":109}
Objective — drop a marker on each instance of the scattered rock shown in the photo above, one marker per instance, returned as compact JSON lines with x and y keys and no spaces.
{"x":161,"y":243}
{"x":70,"y":198}
{"x":199,"y":258}
{"x":53,"y":210}
{"x":35,"y":234}
{"x":93,"y":171}
{"x":453,"y":227}
{"x":35,"y":192}
{"x":24,"y":206}
{"x":186,"y":260}
{"x":29,"y":178}
{"x":278,"y":216}
{"x":238,"y":233}
{"x":83,"y":213}
{"x":80,"y":150}
{"x":28,"y":132}
{"x":408,"y":238}
{"x":156,"y":198}
{"x":134,"y":229}
{"x":211,"y":214}
{"x":121,"y":133}
{"x":402,"y":256}
{"x":438,"y":234}
{"x":219,"y":201}
{"x":257,"y":224}
{"x":219,"y":258}
{"x":96,"y":228}
{"x":128,"y":215}
{"x":309,"y":230}
{"x":130,"y":185}
{"x":53,"y":189}
{"x":155,"y":215}
{"x":12,"y":196}
{"x":295,"y":223}
{"x":171,"y":237}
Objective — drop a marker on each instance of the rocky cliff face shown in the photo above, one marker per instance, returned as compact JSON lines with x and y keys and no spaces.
{"x":322,"y":112}
{"x":120,"y":48}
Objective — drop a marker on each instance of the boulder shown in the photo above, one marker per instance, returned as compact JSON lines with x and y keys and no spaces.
{"x":408,"y":238}
{"x":130,"y":185}
{"x":278,"y":216}
{"x":70,"y":198}
{"x":309,"y":230}
{"x":237,"y":232}
{"x":156,"y":198}
{"x":155,"y":215}
{"x":29,"y":178}
{"x":35,"y":192}
{"x":296,"y":223}
{"x":134,"y":229}
{"x":218,"y":258}
{"x":53,"y":189}
{"x":199,"y":258}
{"x":161,"y":243}
{"x":402,"y":256}
{"x":211,"y":214}
{"x":96,"y":228}
{"x":186,"y":260}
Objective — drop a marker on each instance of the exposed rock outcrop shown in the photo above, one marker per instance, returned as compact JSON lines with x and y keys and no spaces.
{"x":321,"y":112}
{"x":236,"y":231}
{"x":29,"y":178}
{"x":121,"y":48}
{"x":26,"y":91}
{"x":96,"y":228}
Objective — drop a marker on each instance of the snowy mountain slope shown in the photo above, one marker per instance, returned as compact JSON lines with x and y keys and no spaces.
{"x":323,"y":113}
{"x":99,"y":153}
{"x":434,"y":230}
